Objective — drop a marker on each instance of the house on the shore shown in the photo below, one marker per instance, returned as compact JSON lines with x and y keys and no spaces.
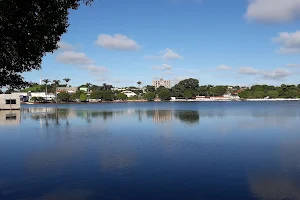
{"x":129,"y":93}
{"x":10,"y":102}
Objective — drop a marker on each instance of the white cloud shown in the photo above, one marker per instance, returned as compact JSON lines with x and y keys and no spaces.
{"x":293,"y":65}
{"x":223,"y":68}
{"x":248,"y":71}
{"x":162,"y":67}
{"x":167,"y":54}
{"x":95,"y":70}
{"x":290,"y":42}
{"x":276,"y":74}
{"x":117,"y":42}
{"x":76,"y":58}
{"x":273,"y":10}
{"x":66,"y":46}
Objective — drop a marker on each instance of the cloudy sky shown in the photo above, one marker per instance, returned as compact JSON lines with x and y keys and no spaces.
{"x":235,"y":42}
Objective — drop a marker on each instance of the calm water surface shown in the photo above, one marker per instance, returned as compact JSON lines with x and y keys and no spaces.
{"x":136,"y":151}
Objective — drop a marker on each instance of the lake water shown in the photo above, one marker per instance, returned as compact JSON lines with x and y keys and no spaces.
{"x":137,"y":151}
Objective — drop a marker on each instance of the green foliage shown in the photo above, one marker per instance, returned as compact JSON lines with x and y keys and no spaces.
{"x":190,"y":84}
{"x":245,"y":94}
{"x":34,"y":99}
{"x":29,"y":29}
{"x":133,"y":98}
{"x":188,"y":94}
{"x":107,"y":95}
{"x":121,"y":96}
{"x":40,"y":99}
{"x":149,"y":96}
{"x":150,"y":88}
{"x":259,"y":95}
{"x":63,"y":96}
{"x":273,"y":94}
{"x":96,"y":95}
{"x":83,"y":97}
{"x":164,"y":94}
{"x":76,"y":95}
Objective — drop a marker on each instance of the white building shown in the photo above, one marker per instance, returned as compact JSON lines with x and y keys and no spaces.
{"x":129,"y":93}
{"x":69,"y":90}
{"x":10,"y":102}
{"x":161,"y":82}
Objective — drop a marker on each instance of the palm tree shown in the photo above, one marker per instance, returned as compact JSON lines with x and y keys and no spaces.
{"x":56,"y":82}
{"x":139,"y":84}
{"x":67,"y":80}
{"x":88,"y":90}
{"x":46,"y":81}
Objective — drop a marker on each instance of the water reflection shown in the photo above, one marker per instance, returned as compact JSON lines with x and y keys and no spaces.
{"x":49,"y":116}
{"x":10,"y":117}
{"x":189,"y":117}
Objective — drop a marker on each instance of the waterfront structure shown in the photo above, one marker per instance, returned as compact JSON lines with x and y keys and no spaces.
{"x":161,"y":82}
{"x":129,"y":93}
{"x":10,"y":102}
{"x":69,"y":90}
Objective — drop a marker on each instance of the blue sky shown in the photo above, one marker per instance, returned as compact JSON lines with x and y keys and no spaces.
{"x":237,"y":42}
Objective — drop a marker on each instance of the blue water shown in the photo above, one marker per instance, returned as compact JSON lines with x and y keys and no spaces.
{"x":137,"y":151}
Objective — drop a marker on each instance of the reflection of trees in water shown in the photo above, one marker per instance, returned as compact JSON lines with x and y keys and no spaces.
{"x":189,"y":117}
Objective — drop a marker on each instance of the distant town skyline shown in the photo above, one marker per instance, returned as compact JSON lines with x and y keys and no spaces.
{"x":217,"y":42}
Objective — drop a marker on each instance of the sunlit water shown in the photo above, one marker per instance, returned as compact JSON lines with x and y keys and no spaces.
{"x":192,"y":151}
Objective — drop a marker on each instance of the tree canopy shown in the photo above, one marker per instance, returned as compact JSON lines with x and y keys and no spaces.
{"x":30,"y":29}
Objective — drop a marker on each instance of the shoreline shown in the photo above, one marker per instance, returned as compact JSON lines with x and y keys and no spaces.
{"x":181,"y":100}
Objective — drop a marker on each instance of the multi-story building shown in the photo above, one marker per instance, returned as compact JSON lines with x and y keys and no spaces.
{"x":161,"y":82}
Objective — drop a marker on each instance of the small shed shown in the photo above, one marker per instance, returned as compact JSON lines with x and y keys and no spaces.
{"x":10,"y":102}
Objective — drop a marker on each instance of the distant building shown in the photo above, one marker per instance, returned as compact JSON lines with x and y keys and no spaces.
{"x":161,"y":82}
{"x":67,"y":89}
{"x":10,"y":102}
{"x":129,"y":93}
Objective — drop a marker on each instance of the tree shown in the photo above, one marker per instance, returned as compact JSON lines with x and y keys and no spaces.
{"x":96,"y":95}
{"x":121,"y":96}
{"x":40,"y":99}
{"x":150,"y":88}
{"x":56,"y":82}
{"x":273,"y":94}
{"x":67,"y":81}
{"x":139,"y":84}
{"x":1,"y":92}
{"x":149,"y":96}
{"x":76,"y":95}
{"x":108,"y":95}
{"x":83,"y":97}
{"x":245,"y":94}
{"x":259,"y":94}
{"x":63,"y":96}
{"x":34,"y":99}
{"x":46,"y":81}
{"x":164,"y":94}
{"x":88,"y":85}
{"x":30,"y":29}
{"x":187,"y":94}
